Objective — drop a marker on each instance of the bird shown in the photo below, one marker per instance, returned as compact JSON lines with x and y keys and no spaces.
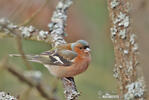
{"x":66,"y":60}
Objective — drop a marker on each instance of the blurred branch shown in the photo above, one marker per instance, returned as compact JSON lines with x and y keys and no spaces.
{"x":28,"y":81}
{"x":54,"y":86}
{"x":25,"y":94}
{"x":30,"y":19}
{"x":19,"y":44}
{"x":131,"y":87}
{"x":57,"y":30}
{"x":32,"y":81}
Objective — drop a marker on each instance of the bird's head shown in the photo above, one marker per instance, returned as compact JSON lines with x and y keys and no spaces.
{"x":81,"y":47}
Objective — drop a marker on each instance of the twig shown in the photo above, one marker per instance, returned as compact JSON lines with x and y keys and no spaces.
{"x":25,"y":94}
{"x":19,"y":76}
{"x":57,"y":27}
{"x":22,"y":78}
{"x":4,"y":65}
{"x":126,"y":51}
{"x":29,"y":20}
{"x":19,"y":44}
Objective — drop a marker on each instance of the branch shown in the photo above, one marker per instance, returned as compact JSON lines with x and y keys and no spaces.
{"x":8,"y":29}
{"x":19,"y":45}
{"x":28,"y":81}
{"x":126,"y":51}
{"x":57,"y":30}
{"x":31,"y":78}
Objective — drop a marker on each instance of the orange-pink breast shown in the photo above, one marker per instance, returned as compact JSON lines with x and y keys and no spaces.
{"x":76,"y":68}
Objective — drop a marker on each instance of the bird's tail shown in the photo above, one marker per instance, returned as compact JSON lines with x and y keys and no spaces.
{"x":32,"y":58}
{"x":14,"y":55}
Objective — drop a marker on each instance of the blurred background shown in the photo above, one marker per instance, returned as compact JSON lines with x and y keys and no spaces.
{"x":88,"y":20}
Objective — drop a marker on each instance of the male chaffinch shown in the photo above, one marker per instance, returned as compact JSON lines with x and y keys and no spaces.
{"x":67,"y":60}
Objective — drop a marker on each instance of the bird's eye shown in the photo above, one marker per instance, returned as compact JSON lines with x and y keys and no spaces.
{"x":80,"y":47}
{"x":86,"y":47}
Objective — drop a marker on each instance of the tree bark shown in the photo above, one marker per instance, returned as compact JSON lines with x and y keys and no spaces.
{"x":130,"y":86}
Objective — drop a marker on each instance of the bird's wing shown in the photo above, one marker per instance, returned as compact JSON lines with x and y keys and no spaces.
{"x":54,"y":57}
{"x":67,"y":54}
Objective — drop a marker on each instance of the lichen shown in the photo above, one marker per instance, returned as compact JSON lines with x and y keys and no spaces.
{"x":73,"y":95}
{"x":126,"y":52}
{"x":114,"y":3}
{"x":12,"y":26}
{"x":43,"y":34}
{"x":3,"y":21}
{"x":122,"y":33}
{"x":116,"y":72}
{"x":135,"y":47}
{"x":129,"y":69}
{"x":113,"y":32}
{"x":58,"y":22}
{"x":122,"y":20}
{"x":60,"y":5}
{"x":119,"y":18}
{"x":6,"y":25}
{"x":6,"y":96}
{"x":135,"y":90}
{"x":132,"y":38}
{"x":26,"y":31}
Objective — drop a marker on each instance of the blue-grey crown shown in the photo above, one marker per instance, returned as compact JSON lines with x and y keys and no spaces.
{"x":83,"y":42}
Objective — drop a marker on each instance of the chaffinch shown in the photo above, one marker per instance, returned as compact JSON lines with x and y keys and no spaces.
{"x":67,"y":60}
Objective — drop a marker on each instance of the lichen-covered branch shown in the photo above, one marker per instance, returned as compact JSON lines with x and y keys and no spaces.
{"x":131,"y":87}
{"x":57,"y":30}
{"x":8,"y":29}
{"x":58,"y":22}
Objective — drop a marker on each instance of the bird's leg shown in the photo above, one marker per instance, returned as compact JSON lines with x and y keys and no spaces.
{"x":67,"y":79}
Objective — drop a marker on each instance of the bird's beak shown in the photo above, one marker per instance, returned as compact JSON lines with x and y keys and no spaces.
{"x":87,"y":50}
